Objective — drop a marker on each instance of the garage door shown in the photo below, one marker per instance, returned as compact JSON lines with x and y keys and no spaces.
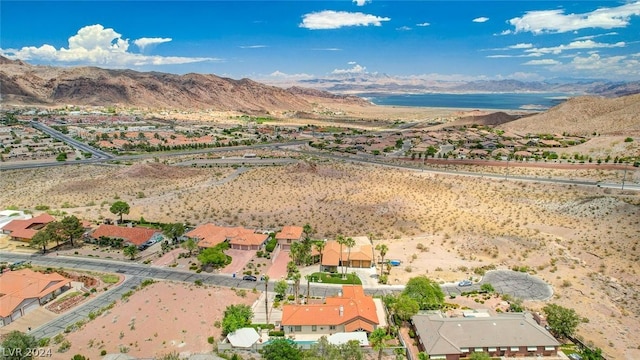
{"x":29,"y":307}
{"x":16,"y":315}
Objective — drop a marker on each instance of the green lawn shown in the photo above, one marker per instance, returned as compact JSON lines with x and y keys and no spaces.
{"x":329,"y":278}
{"x":109,"y":278}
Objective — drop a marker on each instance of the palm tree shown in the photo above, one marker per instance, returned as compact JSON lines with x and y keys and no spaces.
{"x":320,"y":247}
{"x":130,"y":251}
{"x":341,"y":240}
{"x":378,"y":340}
{"x":349,"y":243}
{"x":308,"y":230}
{"x":382,"y":249}
{"x":296,"y":282}
{"x":266,"y":296}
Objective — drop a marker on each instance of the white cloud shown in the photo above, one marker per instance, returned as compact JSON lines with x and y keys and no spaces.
{"x":523,"y":76}
{"x":505,"y":32}
{"x":480,"y":19}
{"x":590,"y":37}
{"x":96,"y":45}
{"x":596,"y":65}
{"x":581,"y":44}
{"x":361,"y":2}
{"x":329,"y":19}
{"x":556,"y":21}
{"x":542,"y":62}
{"x":253,"y":46}
{"x":326,"y":49}
{"x":352,"y":63}
{"x":280,"y":74}
{"x":356,"y":69}
{"x":403,"y":28}
{"x":423,"y":24}
{"x":521,"y":46}
{"x":143,"y":43}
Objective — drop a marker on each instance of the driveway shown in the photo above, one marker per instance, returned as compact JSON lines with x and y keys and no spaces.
{"x":517,"y":284}
{"x":278,"y":269}
{"x":239,"y":258}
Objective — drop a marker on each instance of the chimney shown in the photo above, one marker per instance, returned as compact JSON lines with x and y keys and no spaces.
{"x":340,"y":293}
{"x":341,"y":310}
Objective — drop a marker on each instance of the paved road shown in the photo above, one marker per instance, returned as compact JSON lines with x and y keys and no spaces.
{"x":97,"y":153}
{"x":372,"y":161}
{"x":519,"y":285}
{"x":81,"y":312}
{"x":516,"y":284}
{"x":31,"y":165}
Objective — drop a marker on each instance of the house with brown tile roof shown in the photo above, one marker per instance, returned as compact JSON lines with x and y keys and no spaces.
{"x":350,"y":311}
{"x":361,"y":255}
{"x":24,"y":230}
{"x":288,"y":235}
{"x":210,"y":235}
{"x":509,"y":335}
{"x":130,"y":235}
{"x":24,"y":290}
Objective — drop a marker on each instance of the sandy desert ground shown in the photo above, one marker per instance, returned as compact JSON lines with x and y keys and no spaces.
{"x":584,"y":241}
{"x":162,"y":318}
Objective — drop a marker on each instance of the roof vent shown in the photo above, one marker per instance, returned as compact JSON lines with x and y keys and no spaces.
{"x":341,"y":310}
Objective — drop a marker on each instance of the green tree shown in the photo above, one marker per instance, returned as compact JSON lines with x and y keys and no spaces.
{"x":487,"y":288}
{"x":190,"y":245}
{"x":405,"y":307}
{"x":425,"y":291}
{"x":266,"y":297}
{"x":382,"y":250}
{"x":16,"y":345}
{"x":589,"y":354}
{"x":236,"y":317}
{"x":378,"y":340}
{"x":281,"y":289}
{"x":40,"y":240}
{"x":296,"y":284}
{"x":119,"y":208}
{"x":480,"y":356}
{"x":213,"y":256}
{"x":131,"y":251}
{"x":78,"y":357}
{"x":281,"y":349}
{"x":173,"y":231}
{"x":71,"y":228}
{"x":562,"y":321}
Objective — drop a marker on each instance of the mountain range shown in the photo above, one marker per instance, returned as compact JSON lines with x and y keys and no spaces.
{"x":24,"y":84}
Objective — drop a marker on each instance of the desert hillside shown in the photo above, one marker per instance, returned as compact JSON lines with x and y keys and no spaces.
{"x":26,"y":84}
{"x":584,"y":241}
{"x":584,"y":116}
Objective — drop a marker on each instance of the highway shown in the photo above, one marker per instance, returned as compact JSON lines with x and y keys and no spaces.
{"x":99,"y":154}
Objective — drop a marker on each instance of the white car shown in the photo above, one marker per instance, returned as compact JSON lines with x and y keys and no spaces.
{"x":465,"y":283}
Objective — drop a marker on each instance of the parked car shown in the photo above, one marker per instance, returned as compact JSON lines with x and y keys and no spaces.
{"x":465,"y":283}
{"x":250,"y":278}
{"x":575,"y":356}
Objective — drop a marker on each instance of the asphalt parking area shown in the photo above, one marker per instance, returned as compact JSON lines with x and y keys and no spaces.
{"x":516,"y":284}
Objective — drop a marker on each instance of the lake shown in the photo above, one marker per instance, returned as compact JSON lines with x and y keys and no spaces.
{"x":506,"y":101}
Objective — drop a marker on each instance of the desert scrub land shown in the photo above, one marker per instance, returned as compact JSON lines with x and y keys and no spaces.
{"x":584,"y":241}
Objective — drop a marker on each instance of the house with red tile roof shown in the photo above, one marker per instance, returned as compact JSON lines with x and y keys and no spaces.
{"x":361,"y":255}
{"x":210,"y":235}
{"x":288,"y":235}
{"x":130,"y":235}
{"x":24,"y":230}
{"x":350,"y":311}
{"x":24,"y":290}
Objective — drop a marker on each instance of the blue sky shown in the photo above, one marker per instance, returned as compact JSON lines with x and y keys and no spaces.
{"x":439,"y":40}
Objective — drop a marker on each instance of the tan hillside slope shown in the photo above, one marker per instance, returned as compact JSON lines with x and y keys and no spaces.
{"x":584,"y":116}
{"x":26,"y":84}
